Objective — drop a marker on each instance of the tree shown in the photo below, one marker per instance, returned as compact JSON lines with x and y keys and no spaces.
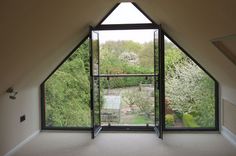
{"x":191,"y":91}
{"x":112,"y":59}
{"x":68,"y":93}
{"x":142,"y":100}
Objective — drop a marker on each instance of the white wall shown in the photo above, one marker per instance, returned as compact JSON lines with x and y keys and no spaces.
{"x":229,"y":94}
{"x":12,"y":132}
{"x":229,"y":108}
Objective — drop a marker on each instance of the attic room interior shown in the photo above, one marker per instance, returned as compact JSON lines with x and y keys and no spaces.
{"x":118,"y":78}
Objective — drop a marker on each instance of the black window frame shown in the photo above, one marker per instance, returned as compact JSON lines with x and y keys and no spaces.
{"x":152,"y":25}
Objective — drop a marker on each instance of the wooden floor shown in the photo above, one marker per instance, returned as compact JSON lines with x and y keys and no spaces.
{"x":127,"y":144}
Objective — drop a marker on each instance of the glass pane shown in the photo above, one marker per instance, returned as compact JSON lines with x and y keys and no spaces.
{"x":67,"y":92}
{"x":95,"y":52}
{"x":156,"y":51}
{"x":126,"y":52}
{"x":126,"y":13}
{"x":157,"y":117}
{"x":127,"y":101}
{"x":190,"y":92}
{"x":96,"y":102}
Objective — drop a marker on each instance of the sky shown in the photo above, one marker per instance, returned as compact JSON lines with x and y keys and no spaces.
{"x":126,"y":13}
{"x":140,"y":36}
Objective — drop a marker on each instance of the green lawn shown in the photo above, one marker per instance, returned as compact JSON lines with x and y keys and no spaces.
{"x":140,"y":120}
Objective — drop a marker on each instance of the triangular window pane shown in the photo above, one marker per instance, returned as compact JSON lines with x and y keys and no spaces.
{"x":189,"y":91}
{"x":126,"y":13}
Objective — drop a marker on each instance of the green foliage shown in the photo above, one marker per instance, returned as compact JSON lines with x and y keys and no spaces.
{"x":169,"y":120}
{"x":189,"y":121}
{"x":140,"y":120}
{"x":113,"y":62}
{"x":142,"y":100}
{"x":115,"y":57}
{"x":205,"y":114}
{"x":189,"y":88}
{"x":173,"y":56}
{"x":68,"y":92}
{"x":124,"y":82}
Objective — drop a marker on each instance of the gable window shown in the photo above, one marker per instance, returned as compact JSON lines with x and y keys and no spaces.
{"x":128,"y":74}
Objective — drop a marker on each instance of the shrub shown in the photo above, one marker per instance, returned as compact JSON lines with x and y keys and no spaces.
{"x":142,"y":100}
{"x":189,"y":121}
{"x":178,"y":115}
{"x":169,"y":119}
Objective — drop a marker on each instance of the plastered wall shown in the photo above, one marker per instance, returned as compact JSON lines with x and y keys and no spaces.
{"x":12,"y":131}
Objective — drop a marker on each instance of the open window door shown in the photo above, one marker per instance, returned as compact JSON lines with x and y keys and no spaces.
{"x":95,"y":84}
{"x":159,"y":83}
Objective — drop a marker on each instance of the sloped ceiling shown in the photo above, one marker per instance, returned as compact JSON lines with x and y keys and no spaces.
{"x":227,"y":46}
{"x":37,"y":34}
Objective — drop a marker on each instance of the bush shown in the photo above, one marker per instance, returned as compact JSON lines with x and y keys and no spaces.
{"x":124,"y":82}
{"x":189,"y":121}
{"x":178,"y":115}
{"x":169,"y":119}
{"x":142,"y":100}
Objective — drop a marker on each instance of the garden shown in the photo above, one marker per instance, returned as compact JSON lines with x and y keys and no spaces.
{"x":189,"y":91}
